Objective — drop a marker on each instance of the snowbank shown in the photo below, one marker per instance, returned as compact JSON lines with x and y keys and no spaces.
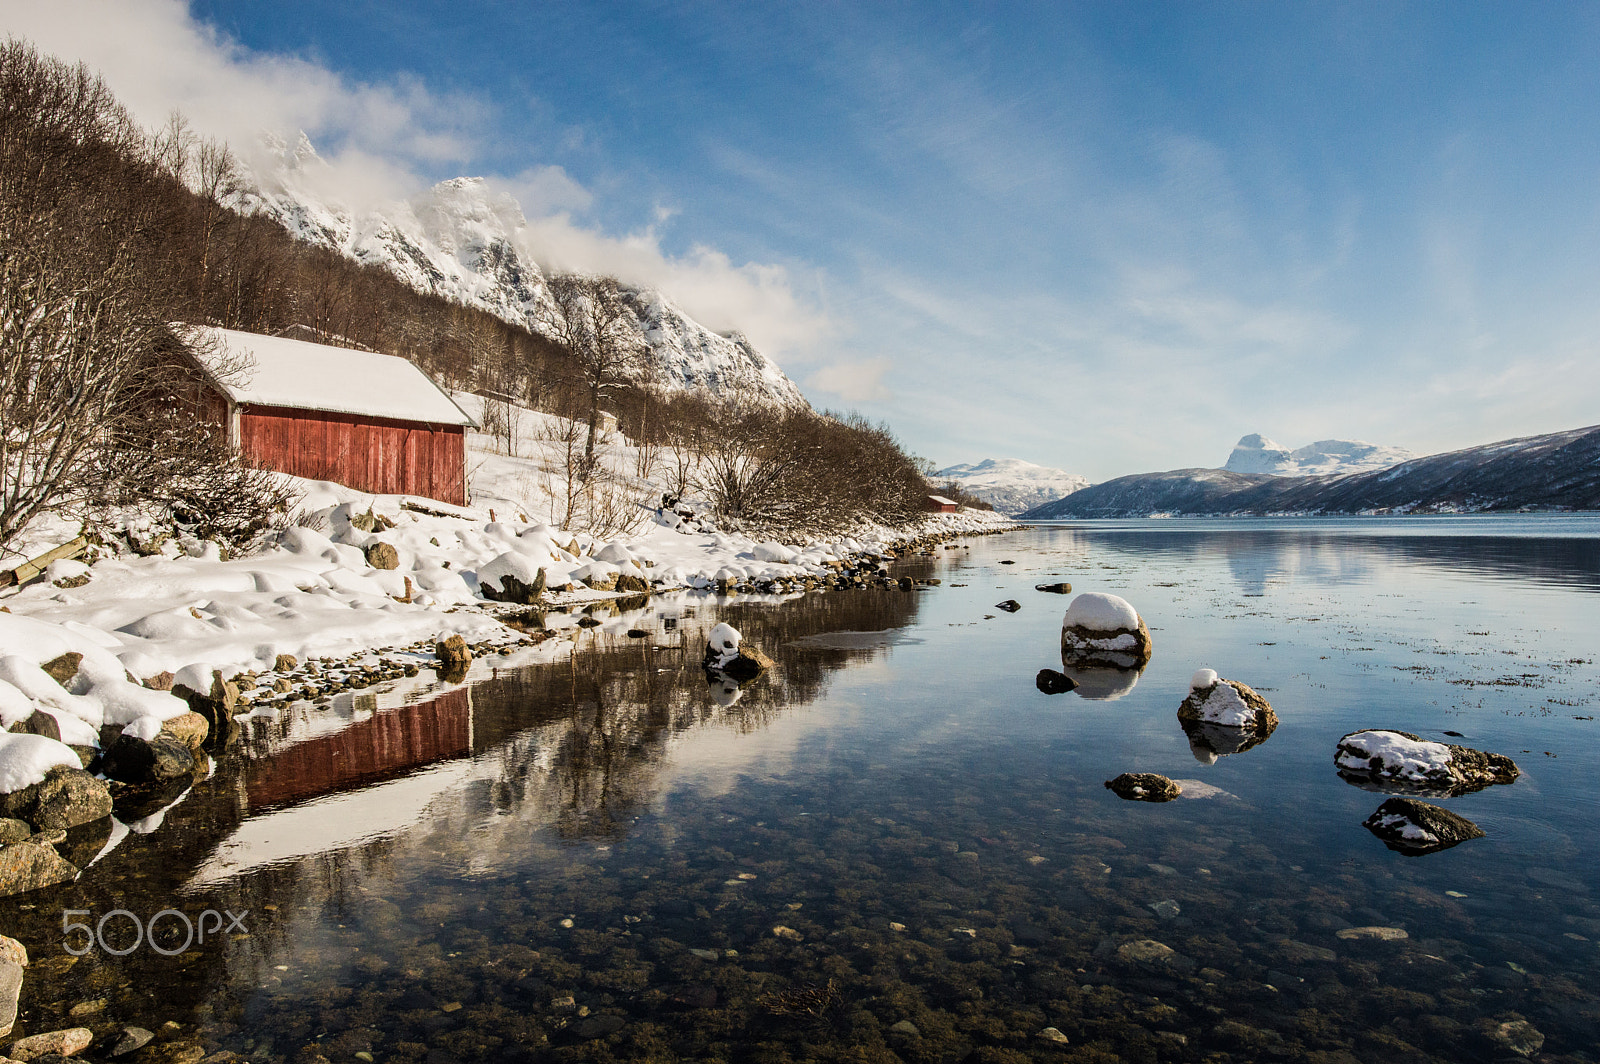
{"x":24,"y":760}
{"x":311,"y":592}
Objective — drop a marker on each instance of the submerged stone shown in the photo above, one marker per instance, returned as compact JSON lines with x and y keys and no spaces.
{"x":1143,"y":787}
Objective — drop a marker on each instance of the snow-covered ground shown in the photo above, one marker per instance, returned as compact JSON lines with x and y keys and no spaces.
{"x":312,"y":592}
{"x":1011,"y":485}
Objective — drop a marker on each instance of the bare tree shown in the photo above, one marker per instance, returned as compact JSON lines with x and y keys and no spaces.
{"x":589,"y":317}
{"x":90,"y":366}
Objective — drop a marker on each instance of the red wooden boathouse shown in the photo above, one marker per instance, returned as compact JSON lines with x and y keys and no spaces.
{"x":372,"y":422}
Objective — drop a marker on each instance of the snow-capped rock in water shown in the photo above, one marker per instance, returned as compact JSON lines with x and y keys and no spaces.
{"x":1257,"y":454}
{"x":1102,"y":629}
{"x":1228,"y":703}
{"x":1386,"y":760}
{"x":467,"y":243}
{"x":1011,"y":485}
{"x":1415,"y":828}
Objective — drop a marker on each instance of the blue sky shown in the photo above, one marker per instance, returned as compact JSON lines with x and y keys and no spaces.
{"x":1107,"y":237}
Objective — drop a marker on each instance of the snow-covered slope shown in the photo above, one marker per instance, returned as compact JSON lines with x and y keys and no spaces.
{"x":1011,"y":485}
{"x":1257,"y":454}
{"x":465,"y":242}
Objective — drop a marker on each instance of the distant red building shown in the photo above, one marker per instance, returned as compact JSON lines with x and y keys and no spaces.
{"x":938,"y":504}
{"x":372,"y":422}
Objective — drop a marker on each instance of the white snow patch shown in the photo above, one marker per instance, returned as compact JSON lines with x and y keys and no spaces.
{"x":1408,"y":759}
{"x":1100,"y":612}
{"x":146,"y":728}
{"x":279,"y":371}
{"x":24,"y":759}
{"x":1202,"y":679}
{"x":1408,"y":829}
{"x":1224,"y":705}
{"x":723,"y":641}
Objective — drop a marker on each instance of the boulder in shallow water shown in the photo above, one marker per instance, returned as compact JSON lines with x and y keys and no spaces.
{"x":1104,"y":630}
{"x":1227,"y":704}
{"x":134,"y":760}
{"x":728,"y":654}
{"x":1414,"y":828}
{"x":453,"y":651}
{"x":65,"y":798}
{"x":1143,"y":787}
{"x":1052,"y":682}
{"x":1384,"y":760}
{"x":31,"y":865}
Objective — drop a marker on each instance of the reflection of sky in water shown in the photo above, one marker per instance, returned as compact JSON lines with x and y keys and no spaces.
{"x":620,"y":775}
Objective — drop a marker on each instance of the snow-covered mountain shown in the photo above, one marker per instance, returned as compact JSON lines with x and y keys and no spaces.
{"x":1011,"y":485}
{"x":1257,"y":454}
{"x":467,"y":243}
{"x":1557,"y":471}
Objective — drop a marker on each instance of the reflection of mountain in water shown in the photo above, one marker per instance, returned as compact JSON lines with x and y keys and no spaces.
{"x":1258,"y":557}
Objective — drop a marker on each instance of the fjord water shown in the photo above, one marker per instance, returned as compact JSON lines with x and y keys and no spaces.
{"x":892,"y":846}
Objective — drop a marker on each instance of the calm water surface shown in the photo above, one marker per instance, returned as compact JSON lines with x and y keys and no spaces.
{"x":893,"y":847}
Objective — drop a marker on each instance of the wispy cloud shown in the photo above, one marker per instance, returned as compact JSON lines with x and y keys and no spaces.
{"x":854,"y":382}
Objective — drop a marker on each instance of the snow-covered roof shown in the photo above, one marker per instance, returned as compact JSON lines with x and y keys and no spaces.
{"x":942,"y":501}
{"x":278,"y":371}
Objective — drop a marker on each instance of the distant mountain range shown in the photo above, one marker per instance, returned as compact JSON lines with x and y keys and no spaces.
{"x":1257,"y":454}
{"x":468,"y":244}
{"x":1011,"y":485}
{"x":1559,"y":471}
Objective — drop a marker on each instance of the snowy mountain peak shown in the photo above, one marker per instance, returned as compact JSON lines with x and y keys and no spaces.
{"x":1012,"y":485}
{"x":1256,"y":453}
{"x":468,"y":242}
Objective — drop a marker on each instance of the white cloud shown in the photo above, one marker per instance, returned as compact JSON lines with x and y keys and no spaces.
{"x":756,"y":299}
{"x":542,"y":190}
{"x":854,"y":382}
{"x":378,"y":139}
{"x":157,"y":59}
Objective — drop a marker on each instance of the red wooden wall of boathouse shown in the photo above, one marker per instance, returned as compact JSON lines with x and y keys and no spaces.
{"x":378,"y":455}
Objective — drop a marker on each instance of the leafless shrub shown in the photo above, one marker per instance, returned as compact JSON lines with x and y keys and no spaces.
{"x":589,"y":317}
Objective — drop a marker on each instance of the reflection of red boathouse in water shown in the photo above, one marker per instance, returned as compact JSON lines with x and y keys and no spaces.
{"x":388,"y":744}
